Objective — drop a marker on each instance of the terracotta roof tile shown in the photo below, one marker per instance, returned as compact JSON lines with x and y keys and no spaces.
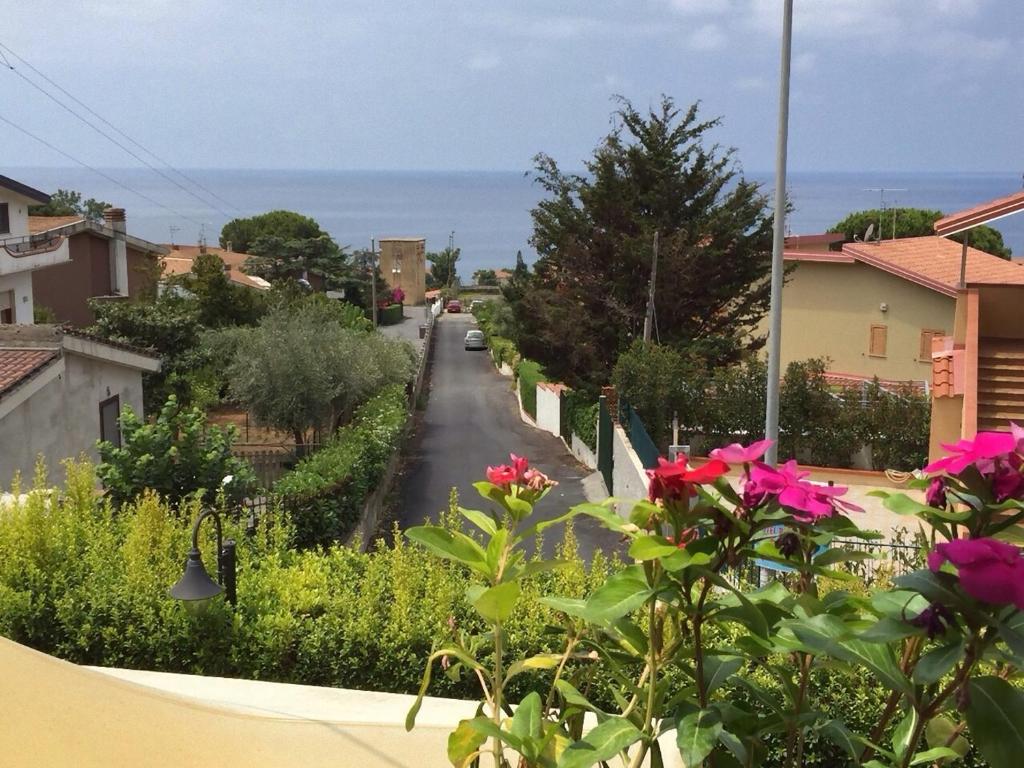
{"x":931,"y":261}
{"x":17,"y":365}
{"x":179,"y":262}
{"x":38,"y":224}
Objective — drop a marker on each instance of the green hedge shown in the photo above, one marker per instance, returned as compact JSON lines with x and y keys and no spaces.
{"x":581,"y":418}
{"x":529,"y":374}
{"x":390,"y":315}
{"x":325,"y":493}
{"x":502,"y":350}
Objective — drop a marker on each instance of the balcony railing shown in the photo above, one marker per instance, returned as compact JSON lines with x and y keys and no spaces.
{"x":29,"y":245}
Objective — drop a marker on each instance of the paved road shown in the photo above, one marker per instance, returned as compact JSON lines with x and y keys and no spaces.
{"x":472,"y":421}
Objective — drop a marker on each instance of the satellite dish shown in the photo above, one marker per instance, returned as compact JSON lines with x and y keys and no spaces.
{"x":870,"y":231}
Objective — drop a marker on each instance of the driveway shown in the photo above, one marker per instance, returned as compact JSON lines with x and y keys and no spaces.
{"x":472,"y":421}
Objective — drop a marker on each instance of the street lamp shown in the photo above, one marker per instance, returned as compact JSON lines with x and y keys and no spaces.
{"x":195,"y":583}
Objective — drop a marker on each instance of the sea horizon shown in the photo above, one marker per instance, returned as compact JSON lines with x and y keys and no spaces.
{"x":488,"y":210}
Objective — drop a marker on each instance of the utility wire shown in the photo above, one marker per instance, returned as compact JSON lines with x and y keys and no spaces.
{"x":102,"y":119}
{"x":108,"y":177}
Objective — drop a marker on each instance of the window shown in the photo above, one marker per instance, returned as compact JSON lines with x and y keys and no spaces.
{"x":927,"y":335}
{"x":6,"y":307}
{"x":110,"y":409}
{"x":5,"y":219}
{"x":876,"y":344}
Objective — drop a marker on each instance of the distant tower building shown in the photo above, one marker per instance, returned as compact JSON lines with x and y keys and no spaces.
{"x":403,"y":264}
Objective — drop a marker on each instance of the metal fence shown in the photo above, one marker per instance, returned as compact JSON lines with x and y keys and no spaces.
{"x":638,"y":436}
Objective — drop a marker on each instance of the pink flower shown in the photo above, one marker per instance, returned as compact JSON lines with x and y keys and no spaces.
{"x":981,"y":451}
{"x":520,"y":464}
{"x":989,"y":570}
{"x":536,"y":480}
{"x":935,"y":496}
{"x":501,"y":475}
{"x":738,"y":454}
{"x":807,"y":500}
{"x":672,"y":479}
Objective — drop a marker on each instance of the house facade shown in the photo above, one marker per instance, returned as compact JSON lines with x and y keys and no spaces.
{"x":105,"y":262}
{"x":60,"y":392}
{"x":874,"y":309}
{"x":403,"y":264}
{"x":23,"y":254}
{"x":180,"y":258}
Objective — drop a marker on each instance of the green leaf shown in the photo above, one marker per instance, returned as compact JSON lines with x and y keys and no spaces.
{"x":609,"y":517}
{"x":451,"y":545}
{"x":465,"y":658}
{"x":540,"y":661}
{"x":932,"y":666}
{"x":901,"y":504}
{"x":696,"y":735}
{"x":995,"y":716}
{"x":732,"y":742}
{"x":495,"y":603}
{"x":879,"y":659}
{"x":651,"y":548}
{"x":481,"y":520}
{"x":602,"y":743}
{"x":573,"y":697}
{"x":495,"y":548}
{"x":887,"y":630}
{"x":934,"y":755}
{"x":568,"y":605}
{"x":526,"y":720}
{"x":902,"y":733}
{"x":939,"y":731}
{"x":718,"y":670}
{"x":837,"y":732}
{"x":534,"y":567}
{"x":621,"y":594}
{"x":463,"y":742}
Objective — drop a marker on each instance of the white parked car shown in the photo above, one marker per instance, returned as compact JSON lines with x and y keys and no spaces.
{"x":475,"y":340}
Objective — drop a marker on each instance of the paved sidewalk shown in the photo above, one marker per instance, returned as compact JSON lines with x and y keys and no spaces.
{"x":409,"y":328}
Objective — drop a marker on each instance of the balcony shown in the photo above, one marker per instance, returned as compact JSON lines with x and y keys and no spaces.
{"x":24,"y":253}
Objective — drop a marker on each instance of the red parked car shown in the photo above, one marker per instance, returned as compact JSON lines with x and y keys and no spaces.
{"x":454,"y":305}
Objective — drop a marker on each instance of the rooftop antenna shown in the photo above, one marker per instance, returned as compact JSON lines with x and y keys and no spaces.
{"x":174,"y":229}
{"x":882,"y":207}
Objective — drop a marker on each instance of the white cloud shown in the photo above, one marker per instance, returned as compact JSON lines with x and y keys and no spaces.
{"x":709,"y":37}
{"x":481,"y":62}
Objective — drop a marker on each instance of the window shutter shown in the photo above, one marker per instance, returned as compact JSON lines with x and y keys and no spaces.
{"x":876,"y":345}
{"x":927,"y":336}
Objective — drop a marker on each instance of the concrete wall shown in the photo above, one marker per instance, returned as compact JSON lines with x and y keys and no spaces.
{"x":16,"y":289}
{"x":549,"y":408}
{"x":829,"y":308}
{"x":62,"y":420}
{"x":629,"y":480}
{"x":17,"y":212}
{"x":582,"y":452}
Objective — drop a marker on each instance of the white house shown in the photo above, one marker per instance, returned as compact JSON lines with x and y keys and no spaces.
{"x":60,"y":392}
{"x":21,"y":253}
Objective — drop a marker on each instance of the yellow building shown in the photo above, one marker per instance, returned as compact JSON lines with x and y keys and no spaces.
{"x":873,"y":309}
{"x":403,"y":264}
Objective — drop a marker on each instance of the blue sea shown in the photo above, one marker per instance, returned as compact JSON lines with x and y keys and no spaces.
{"x":489,"y":212}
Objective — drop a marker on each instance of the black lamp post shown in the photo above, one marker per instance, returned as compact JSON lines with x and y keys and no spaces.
{"x":195,"y":583}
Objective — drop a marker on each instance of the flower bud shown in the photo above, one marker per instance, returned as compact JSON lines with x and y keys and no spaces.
{"x":935,"y":496}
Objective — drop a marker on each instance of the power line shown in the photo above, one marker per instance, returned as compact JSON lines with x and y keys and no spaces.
{"x":100,"y":117}
{"x":108,"y":177}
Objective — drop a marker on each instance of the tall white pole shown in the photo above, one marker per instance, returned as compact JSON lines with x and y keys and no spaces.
{"x":771,"y":418}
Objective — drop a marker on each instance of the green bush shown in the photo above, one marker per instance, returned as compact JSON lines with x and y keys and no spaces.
{"x":325,"y":493}
{"x":177,"y":455}
{"x":502,"y":351}
{"x":390,"y":315}
{"x":581,"y":417}
{"x":529,"y":374}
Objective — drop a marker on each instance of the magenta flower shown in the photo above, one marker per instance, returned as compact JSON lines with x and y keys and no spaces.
{"x":981,"y":451}
{"x":738,"y":454}
{"x":989,"y":570}
{"x":935,"y":496}
{"x":1008,"y":482}
{"x":808,"y":500}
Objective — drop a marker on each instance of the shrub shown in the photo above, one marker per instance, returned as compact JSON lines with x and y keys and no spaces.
{"x":325,"y":493}
{"x":581,"y":417}
{"x":529,"y":374}
{"x":390,"y":315}
{"x":503,"y":351}
{"x":178,"y":455}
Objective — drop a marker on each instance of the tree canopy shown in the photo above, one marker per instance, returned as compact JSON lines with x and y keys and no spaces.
{"x":67,"y":202}
{"x":915,"y":222}
{"x":594,"y":232}
{"x":277,"y":258}
{"x":240,"y":234}
{"x":443,"y":272}
{"x":221,"y":303}
{"x":485,"y":277}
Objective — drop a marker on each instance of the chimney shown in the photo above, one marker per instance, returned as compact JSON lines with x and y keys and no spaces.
{"x":114,"y":218}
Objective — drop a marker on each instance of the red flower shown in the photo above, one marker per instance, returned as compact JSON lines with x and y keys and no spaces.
{"x":672,"y":479}
{"x":501,"y":475}
{"x":520,"y":464}
{"x":989,"y":570}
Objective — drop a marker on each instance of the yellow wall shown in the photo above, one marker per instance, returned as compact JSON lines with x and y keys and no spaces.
{"x":828,"y":310}
{"x":411,"y":254}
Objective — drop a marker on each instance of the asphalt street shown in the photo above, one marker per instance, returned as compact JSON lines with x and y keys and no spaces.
{"x":472,"y":421}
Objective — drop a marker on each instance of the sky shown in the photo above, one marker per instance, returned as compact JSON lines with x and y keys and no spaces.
{"x":895,"y":85}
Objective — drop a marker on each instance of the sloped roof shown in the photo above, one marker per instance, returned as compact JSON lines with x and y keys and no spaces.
{"x":24,"y":190}
{"x":180,"y":258}
{"x":19,"y":365}
{"x":930,"y":261}
{"x":980,"y":214}
{"x":73,"y":225}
